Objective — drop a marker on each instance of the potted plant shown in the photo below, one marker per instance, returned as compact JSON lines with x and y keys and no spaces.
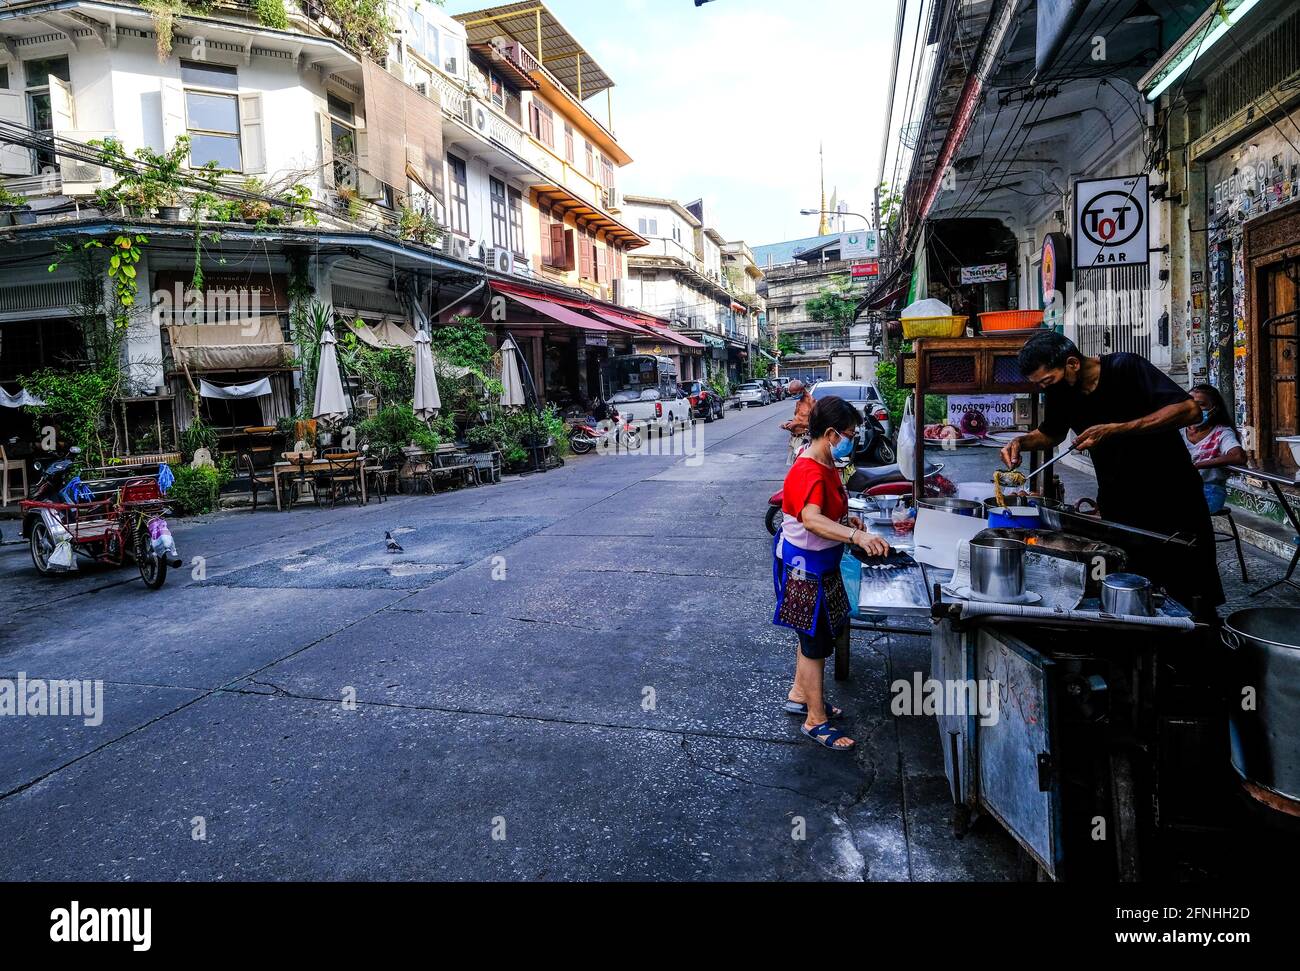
{"x":11,"y":205}
{"x":254,"y":210}
{"x":418,"y":226}
{"x":148,"y":181}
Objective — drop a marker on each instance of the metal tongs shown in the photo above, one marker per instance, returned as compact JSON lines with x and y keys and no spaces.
{"x":1014,"y":479}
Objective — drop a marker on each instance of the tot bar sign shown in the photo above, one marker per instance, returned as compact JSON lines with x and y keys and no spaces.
{"x":1111,"y":225}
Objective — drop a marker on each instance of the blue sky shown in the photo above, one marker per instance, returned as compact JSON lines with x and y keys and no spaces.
{"x":729,"y":100}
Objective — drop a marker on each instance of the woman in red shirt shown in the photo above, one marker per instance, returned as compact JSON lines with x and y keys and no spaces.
{"x":810,"y":595}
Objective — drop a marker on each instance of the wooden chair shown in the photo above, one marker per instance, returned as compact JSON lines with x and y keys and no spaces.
{"x":9,"y":466}
{"x":341,"y":476}
{"x":380,"y":473}
{"x":256,"y":481}
{"x":261,"y":443}
{"x":487,"y":466}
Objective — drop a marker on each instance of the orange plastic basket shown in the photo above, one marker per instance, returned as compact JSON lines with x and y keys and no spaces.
{"x":1010,"y":319}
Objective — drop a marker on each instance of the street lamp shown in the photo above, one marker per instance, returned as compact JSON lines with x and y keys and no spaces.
{"x":835,"y":212}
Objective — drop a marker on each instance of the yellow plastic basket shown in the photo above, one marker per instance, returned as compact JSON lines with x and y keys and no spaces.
{"x":934,"y":326}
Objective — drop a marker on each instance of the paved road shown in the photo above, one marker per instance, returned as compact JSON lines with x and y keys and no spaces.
{"x":580,"y":663}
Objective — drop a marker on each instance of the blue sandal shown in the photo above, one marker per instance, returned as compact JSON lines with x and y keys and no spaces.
{"x":801,"y":708}
{"x":826,"y":737}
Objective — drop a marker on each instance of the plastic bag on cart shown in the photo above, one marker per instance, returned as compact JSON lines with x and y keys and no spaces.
{"x":160,"y":537}
{"x":906,"y":448}
{"x":62,"y":558}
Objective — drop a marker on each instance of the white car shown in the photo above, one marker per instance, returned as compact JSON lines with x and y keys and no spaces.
{"x":861,"y":395}
{"x":752,"y":393}
{"x":648,"y":394}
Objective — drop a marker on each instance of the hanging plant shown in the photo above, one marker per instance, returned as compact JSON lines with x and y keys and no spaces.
{"x":271,"y":13}
{"x":163,"y":13}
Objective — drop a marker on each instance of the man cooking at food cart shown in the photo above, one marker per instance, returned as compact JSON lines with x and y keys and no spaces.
{"x":1126,"y":414}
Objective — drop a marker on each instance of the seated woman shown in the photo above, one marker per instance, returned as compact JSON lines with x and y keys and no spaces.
{"x":810,"y":595}
{"x":1214,"y":444}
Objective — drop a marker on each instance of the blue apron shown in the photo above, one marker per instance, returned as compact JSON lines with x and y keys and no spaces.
{"x":805,"y":581}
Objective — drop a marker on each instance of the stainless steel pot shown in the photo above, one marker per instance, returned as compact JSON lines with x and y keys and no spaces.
{"x":997,"y":568}
{"x":1265,"y":736}
{"x":962,"y":507}
{"x":1128,"y":594}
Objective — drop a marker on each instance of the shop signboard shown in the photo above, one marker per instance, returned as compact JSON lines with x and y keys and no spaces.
{"x":1111,"y":222}
{"x":862,"y":244}
{"x":984,"y":273}
{"x":865,"y":268}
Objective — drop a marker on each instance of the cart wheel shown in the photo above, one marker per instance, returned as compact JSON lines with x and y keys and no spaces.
{"x":42,"y":545}
{"x":153,"y":568}
{"x":772,"y":518}
{"x":842,"y":655}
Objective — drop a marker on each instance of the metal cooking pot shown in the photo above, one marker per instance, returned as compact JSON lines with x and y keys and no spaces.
{"x":962,"y":507}
{"x":997,"y":568}
{"x":1127,"y":594}
{"x":1265,"y":740}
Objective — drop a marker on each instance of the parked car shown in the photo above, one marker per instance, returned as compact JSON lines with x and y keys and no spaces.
{"x":705,"y":402}
{"x":863,"y":395}
{"x":774,"y":390}
{"x":647,"y":394}
{"x":752,"y":393}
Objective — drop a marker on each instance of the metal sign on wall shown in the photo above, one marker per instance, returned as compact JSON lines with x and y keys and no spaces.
{"x":1112,"y":223}
{"x":861,"y":245}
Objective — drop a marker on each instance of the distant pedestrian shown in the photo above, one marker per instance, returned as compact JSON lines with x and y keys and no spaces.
{"x":810,"y":594}
{"x":798,"y":425}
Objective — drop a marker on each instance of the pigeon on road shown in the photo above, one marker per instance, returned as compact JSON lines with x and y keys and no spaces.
{"x":391,"y":544}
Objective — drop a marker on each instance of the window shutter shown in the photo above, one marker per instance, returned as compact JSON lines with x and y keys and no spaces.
{"x":368,"y":187}
{"x":559,"y":246}
{"x":534,"y":119}
{"x":602,"y":263}
{"x":252,"y":135}
{"x":584,"y":258}
{"x":568,"y":249}
{"x":14,"y":159}
{"x":173,"y":111}
{"x":325,"y":149}
{"x":61,"y":108}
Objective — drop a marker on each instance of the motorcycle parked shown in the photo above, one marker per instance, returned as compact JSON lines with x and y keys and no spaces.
{"x":873,"y":447}
{"x":61,"y":521}
{"x":587,"y":433}
{"x":884,"y":480}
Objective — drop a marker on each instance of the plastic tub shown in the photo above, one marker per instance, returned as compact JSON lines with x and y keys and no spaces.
{"x":1010,"y":320}
{"x":951,"y":326}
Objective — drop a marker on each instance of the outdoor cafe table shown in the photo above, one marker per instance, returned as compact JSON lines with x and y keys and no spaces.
{"x":303,"y":468}
{"x":1277,"y":477}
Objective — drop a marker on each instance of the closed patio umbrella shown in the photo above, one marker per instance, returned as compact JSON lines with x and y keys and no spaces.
{"x":331,"y":405}
{"x":427,"y":401}
{"x":512,"y":385}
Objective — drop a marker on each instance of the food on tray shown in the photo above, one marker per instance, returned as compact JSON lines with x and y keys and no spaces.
{"x":942,"y":433}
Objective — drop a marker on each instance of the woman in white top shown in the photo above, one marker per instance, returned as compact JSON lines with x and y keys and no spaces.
{"x":1214,"y":444}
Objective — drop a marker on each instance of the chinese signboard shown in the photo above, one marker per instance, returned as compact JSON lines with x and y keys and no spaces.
{"x":1111,"y":225}
{"x":985,"y":273}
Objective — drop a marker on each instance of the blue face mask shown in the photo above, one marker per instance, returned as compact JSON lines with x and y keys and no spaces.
{"x":1205,"y":417}
{"x":843,"y":448}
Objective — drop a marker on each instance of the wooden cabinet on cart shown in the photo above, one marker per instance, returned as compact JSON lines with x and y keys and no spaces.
{"x":964,"y":365}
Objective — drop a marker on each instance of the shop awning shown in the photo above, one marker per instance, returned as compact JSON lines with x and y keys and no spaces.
{"x":19,"y":400}
{"x":669,"y":334}
{"x":561,"y":314}
{"x":387,"y":334}
{"x":625,"y":324}
{"x":257,"y":342}
{"x":235,"y":392}
{"x":711,"y":341}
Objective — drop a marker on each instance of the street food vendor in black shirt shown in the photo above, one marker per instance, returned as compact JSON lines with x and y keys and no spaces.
{"x":1126,"y":414}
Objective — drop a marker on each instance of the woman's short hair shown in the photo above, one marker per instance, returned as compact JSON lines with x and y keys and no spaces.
{"x":832,"y":412}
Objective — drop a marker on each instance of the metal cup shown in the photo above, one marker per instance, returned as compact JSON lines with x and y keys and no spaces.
{"x":1126,"y":593}
{"x":997,"y":568}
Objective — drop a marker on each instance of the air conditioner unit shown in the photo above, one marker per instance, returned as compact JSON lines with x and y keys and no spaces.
{"x":612,"y":199}
{"x":501,"y":260}
{"x":481,"y":119}
{"x":620,"y":290}
{"x":83,"y":178}
{"x":457,"y":247}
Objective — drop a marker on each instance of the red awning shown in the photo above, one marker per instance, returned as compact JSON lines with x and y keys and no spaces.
{"x":562,"y":314}
{"x":673,"y":335}
{"x":626,"y":323}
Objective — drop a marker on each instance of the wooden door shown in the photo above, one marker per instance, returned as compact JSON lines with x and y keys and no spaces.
{"x":1279,"y":311}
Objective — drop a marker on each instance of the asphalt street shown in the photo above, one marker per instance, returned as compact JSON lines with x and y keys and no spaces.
{"x":567,"y":676}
